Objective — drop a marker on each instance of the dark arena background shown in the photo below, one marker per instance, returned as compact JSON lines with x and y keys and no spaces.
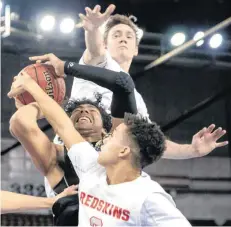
{"x":183,"y":94}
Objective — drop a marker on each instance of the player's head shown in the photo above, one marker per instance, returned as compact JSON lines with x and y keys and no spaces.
{"x":137,"y":141}
{"x":121,"y":37}
{"x":89,"y":117}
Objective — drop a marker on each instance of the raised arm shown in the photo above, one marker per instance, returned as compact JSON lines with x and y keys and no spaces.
{"x":120,"y":83}
{"x":81,"y":153}
{"x":55,"y":115}
{"x":94,"y":19}
{"x":23,"y":126}
{"x":203,"y":142}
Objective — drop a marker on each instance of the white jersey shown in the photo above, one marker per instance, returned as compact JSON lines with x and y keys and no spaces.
{"x":86,"y":89}
{"x":141,"y":202}
{"x":50,"y":192}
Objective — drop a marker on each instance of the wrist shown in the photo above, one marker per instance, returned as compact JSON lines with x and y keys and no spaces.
{"x":30,"y":85}
{"x":51,"y":201}
{"x":93,"y":29}
{"x":193,"y":151}
{"x":66,"y":67}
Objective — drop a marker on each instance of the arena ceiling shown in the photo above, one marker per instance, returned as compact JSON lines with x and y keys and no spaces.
{"x":153,"y":15}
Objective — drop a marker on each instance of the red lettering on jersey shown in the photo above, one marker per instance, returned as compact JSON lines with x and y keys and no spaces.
{"x":101,"y":202}
{"x":94,"y":203}
{"x":89,"y":197}
{"x":117,"y":212}
{"x":105,"y":207}
{"x":82,"y":195}
{"x":111,"y":209}
{"x":126,"y":215}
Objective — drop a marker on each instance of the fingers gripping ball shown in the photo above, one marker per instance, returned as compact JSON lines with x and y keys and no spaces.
{"x":46,"y":78}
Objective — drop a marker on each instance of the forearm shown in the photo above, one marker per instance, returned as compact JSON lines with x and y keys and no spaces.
{"x":55,"y":115}
{"x":102,"y":77}
{"x":179,"y":151}
{"x":121,"y":84}
{"x":13,"y":202}
{"x":51,"y":110}
{"x":95,"y":51}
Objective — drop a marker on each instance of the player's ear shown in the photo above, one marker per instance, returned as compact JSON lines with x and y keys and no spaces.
{"x":125,"y":151}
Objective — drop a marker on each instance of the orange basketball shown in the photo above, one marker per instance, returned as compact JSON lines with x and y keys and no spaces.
{"x":46,"y":78}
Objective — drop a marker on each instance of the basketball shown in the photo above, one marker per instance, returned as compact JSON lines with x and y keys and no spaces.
{"x":46,"y":78}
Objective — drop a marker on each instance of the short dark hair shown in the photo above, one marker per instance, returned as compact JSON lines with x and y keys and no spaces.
{"x":148,"y":137}
{"x":106,"y":118}
{"x":121,"y":19}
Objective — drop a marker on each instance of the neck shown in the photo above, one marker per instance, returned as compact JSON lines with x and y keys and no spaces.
{"x":90,"y":136}
{"x":125,"y":65}
{"x":121,"y":174}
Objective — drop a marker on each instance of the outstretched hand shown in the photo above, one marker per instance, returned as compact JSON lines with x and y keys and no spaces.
{"x":94,"y":18}
{"x":51,"y":59}
{"x":72,"y":190}
{"x":206,"y":139}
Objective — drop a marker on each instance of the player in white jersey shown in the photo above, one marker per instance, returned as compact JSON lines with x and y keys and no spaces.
{"x":112,"y":191}
{"x":112,"y":42}
{"x":89,"y":118}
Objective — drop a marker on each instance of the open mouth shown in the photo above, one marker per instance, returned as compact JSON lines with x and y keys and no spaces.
{"x":84,"y":119}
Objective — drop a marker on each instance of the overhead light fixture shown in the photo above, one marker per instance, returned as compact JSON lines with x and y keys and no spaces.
{"x":215,"y":41}
{"x":67,"y":25}
{"x":198,"y":36}
{"x":47,"y":23}
{"x":178,"y":39}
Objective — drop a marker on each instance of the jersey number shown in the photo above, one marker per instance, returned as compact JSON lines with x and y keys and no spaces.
{"x":95,"y":222}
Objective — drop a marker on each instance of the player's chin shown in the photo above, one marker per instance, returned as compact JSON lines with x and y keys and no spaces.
{"x":100,"y":159}
{"x":83,"y":125}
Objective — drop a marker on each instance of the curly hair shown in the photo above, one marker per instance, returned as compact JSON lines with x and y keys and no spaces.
{"x":106,"y":118}
{"x":148,"y":137}
{"x":121,"y":19}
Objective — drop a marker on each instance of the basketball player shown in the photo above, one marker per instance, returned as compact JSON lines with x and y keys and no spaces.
{"x":13,"y":202}
{"x":24,"y":127}
{"x":90,"y":119}
{"x":112,"y":191}
{"x":114,"y":49}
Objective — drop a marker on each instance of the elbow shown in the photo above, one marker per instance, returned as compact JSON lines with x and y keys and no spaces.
{"x":125,"y":83}
{"x":19,"y":125}
{"x":14,"y":125}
